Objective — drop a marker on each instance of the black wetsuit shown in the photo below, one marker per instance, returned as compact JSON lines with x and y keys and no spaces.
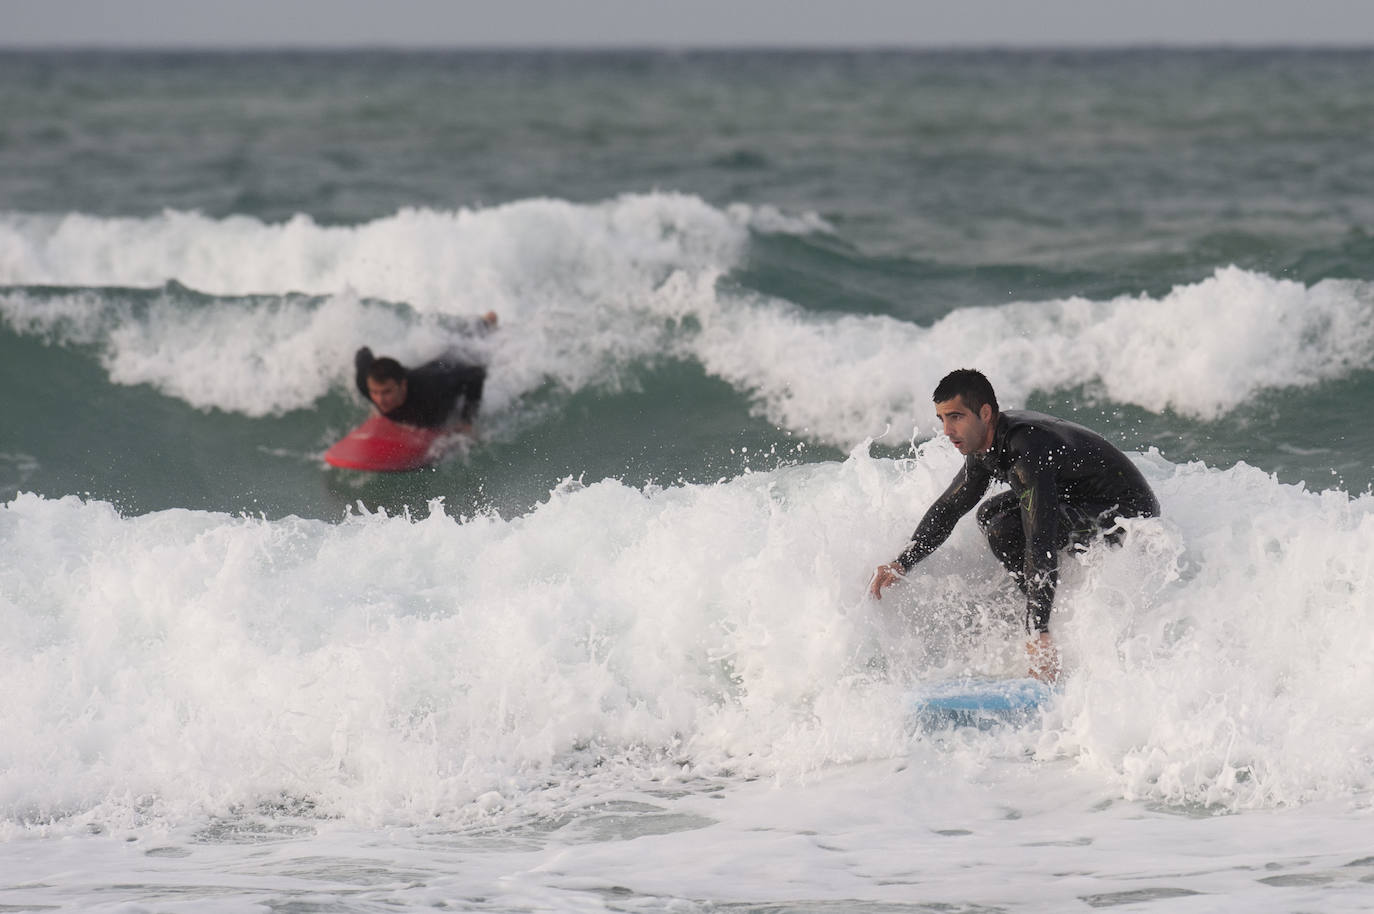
{"x":432,"y":390}
{"x":1067,"y":485}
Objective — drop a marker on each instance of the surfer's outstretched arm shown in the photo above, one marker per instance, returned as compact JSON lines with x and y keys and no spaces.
{"x":963,"y":493}
{"x":362,"y":361}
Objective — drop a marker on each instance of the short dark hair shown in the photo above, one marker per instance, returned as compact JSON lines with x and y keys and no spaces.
{"x":971,"y":385}
{"x":386,"y":369}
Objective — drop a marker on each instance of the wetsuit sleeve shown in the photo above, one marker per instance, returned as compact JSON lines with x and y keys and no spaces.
{"x":939,"y":520}
{"x":1035,"y":480}
{"x":362,"y":361}
{"x":467,"y":382}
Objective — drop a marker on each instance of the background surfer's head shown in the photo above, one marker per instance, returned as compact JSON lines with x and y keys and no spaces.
{"x":966,"y":405}
{"x":386,"y":383}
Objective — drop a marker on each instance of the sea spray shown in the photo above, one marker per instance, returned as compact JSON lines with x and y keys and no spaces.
{"x":1230,"y":673}
{"x":397,"y":668}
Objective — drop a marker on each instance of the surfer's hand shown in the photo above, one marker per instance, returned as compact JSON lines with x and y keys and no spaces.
{"x":885,"y":575}
{"x":1044,"y":658}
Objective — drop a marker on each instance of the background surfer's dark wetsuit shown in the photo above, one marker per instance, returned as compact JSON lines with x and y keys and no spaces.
{"x":1067,"y":484}
{"x":431,"y":390}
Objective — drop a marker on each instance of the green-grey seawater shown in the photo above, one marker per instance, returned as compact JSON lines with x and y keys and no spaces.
{"x":631,"y":663}
{"x":150,"y":199}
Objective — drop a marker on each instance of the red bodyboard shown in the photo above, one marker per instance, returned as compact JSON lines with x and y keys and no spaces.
{"x":383,"y":446}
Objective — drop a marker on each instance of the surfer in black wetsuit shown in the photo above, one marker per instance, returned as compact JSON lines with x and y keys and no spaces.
{"x":424,"y":396}
{"x":1068,"y":485}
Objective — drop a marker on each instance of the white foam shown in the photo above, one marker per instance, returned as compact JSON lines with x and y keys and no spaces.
{"x":391,"y":669}
{"x":1233,"y":672}
{"x":512,"y":258}
{"x":1202,"y":350}
{"x":588,"y":292}
{"x":582,"y":289}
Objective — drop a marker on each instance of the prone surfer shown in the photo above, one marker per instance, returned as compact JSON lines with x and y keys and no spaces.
{"x":1068,"y":485}
{"x":425,"y":396}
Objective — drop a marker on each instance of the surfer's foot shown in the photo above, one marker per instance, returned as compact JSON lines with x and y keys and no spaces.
{"x":1044,"y":658}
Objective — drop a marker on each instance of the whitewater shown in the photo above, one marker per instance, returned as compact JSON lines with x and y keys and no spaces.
{"x":613,"y":664}
{"x":595,"y":288}
{"x":202,"y":681}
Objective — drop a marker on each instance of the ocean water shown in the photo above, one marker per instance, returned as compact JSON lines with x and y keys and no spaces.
{"x":617,"y":656}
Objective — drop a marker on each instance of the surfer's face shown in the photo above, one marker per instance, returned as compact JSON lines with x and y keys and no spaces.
{"x":970,"y":432}
{"x":386,"y":394}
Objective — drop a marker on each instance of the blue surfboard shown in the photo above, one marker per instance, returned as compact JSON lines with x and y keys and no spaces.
{"x":981,"y":702}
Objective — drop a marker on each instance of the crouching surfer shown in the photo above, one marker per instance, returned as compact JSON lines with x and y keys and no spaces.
{"x":426,"y":396}
{"x":1068,"y":485}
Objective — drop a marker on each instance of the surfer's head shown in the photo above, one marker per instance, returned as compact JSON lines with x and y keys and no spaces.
{"x":386,"y":383}
{"x":966,"y":406}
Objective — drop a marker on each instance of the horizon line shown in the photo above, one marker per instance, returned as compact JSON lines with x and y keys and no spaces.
{"x":688,"y":47}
